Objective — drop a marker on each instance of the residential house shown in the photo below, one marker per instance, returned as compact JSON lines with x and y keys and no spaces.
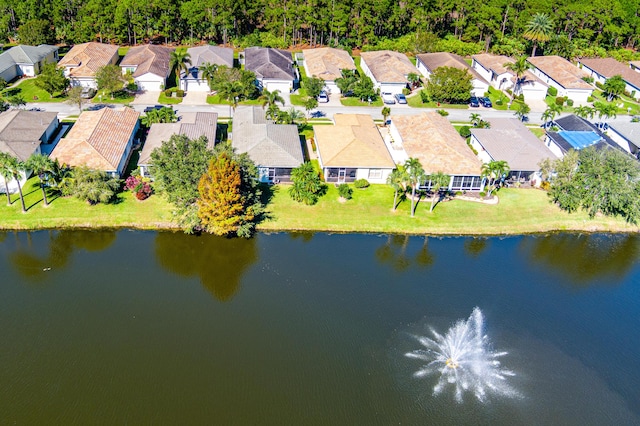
{"x":493,"y":69}
{"x":276,"y":149}
{"x":627,"y":136}
{"x":148,"y":65}
{"x":576,"y":133}
{"x":83,"y":61}
{"x":352,"y":149}
{"x":388,"y":70}
{"x":509,"y":140}
{"x":603,"y":68}
{"x":327,"y":63}
{"x":427,"y":63}
{"x":194,"y":81}
{"x":100,"y":140}
{"x":273,"y":68}
{"x":21,"y":135}
{"x":432,"y":139}
{"x":26,"y":61}
{"x":191,"y":124}
{"x":563,"y":75}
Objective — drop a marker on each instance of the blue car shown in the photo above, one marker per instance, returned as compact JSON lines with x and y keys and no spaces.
{"x":474,"y":102}
{"x":486,"y":102}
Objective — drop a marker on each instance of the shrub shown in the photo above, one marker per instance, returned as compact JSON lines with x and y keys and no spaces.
{"x":520,"y":97}
{"x":140,"y":189}
{"x":599,"y":85}
{"x":424,"y":96}
{"x":472,"y":148}
{"x":552,"y":91}
{"x":590,"y":99}
{"x":465,"y":131}
{"x":569,"y":102}
{"x":483,"y":194}
{"x":560,"y":100}
{"x":344,"y":191}
{"x":180,"y":93}
{"x":167,"y":93}
{"x":361,"y":183}
{"x":588,"y":79}
{"x":545,"y":185}
{"x":406,"y":91}
{"x":442,"y":112}
{"x":498,"y":102}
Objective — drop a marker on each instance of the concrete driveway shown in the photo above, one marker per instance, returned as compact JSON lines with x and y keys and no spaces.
{"x":146,"y":98}
{"x":195,"y":98}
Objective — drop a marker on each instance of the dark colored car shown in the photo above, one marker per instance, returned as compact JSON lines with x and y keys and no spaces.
{"x":151,"y":108}
{"x":401,"y":98}
{"x":486,"y":102}
{"x":474,"y":102}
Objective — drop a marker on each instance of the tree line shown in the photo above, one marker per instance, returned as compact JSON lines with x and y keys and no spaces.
{"x":578,"y":24}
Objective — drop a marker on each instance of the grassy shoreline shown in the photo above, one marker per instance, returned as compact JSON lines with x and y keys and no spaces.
{"x":520,"y":211}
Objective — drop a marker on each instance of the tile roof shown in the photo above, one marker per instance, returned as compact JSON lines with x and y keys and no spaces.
{"x":388,"y":66}
{"x":86,"y":58}
{"x":561,"y":71}
{"x":98,"y":139}
{"x":436,"y":60}
{"x":354,"y":141}
{"x":608,"y":67}
{"x":191,"y":124}
{"x":327,"y":63}
{"x":23,"y":54}
{"x":509,"y":140}
{"x":269,"y":63}
{"x":436,"y":143}
{"x":268,"y":144}
{"x":21,"y":131}
{"x":149,"y":58}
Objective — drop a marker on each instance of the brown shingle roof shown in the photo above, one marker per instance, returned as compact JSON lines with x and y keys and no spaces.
{"x":436,"y":60}
{"x":354,"y":141}
{"x":496,"y":63}
{"x":561,"y":71}
{"x":98,"y":139}
{"x":21,"y":131}
{"x":608,"y":67}
{"x":148,"y":59}
{"x":434,"y":141}
{"x":327,"y":62}
{"x":86,"y":58}
{"x":388,"y":66}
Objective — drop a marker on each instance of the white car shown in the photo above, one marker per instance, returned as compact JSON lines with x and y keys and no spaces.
{"x":323,"y":98}
{"x":388,"y":98}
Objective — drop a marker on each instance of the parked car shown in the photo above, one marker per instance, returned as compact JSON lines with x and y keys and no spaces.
{"x":387,"y":98}
{"x":323,"y":97}
{"x":401,"y":98}
{"x":474,"y":102}
{"x":486,"y":102}
{"x":87,"y":93}
{"x":151,"y":108}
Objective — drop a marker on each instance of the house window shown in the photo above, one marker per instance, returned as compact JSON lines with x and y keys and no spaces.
{"x":375,"y":173}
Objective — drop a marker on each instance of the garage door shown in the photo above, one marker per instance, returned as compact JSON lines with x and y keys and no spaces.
{"x":282,"y":87}
{"x":196,"y":86}
{"x":149,"y":86}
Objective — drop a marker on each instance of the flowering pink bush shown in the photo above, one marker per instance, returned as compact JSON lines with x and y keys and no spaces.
{"x":141,"y":190}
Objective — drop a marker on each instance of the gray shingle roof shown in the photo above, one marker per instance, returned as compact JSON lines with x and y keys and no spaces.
{"x":21,"y":131}
{"x":211,"y":55}
{"x":268,"y":144}
{"x":24,"y":54}
{"x":269,"y":63}
{"x":630,"y":131}
{"x":577,"y":124}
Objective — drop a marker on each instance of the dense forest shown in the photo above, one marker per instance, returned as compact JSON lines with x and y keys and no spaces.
{"x":580,"y":27}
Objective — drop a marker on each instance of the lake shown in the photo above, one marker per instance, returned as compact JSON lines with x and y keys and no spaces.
{"x":134,"y":327}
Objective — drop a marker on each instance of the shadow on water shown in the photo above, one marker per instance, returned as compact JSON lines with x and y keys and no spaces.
{"x":583,"y":259}
{"x":396,"y":251}
{"x":31,"y":263}
{"x":218,"y":262}
{"x":475,"y":246}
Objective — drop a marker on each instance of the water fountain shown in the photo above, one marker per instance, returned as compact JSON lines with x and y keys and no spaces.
{"x":464,"y":360}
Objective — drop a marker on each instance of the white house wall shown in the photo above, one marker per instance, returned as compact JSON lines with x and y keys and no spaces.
{"x":9,"y":74}
{"x":479,"y":87}
{"x":364,"y":174}
{"x":576,"y":95}
{"x":620,"y":140}
{"x":150,"y":82}
{"x":480,"y":69}
{"x":394,"y":88}
{"x":534,"y":91}
{"x":284,"y":86}
{"x":553,"y":147}
{"x":483,"y":155}
{"x":423,"y":69}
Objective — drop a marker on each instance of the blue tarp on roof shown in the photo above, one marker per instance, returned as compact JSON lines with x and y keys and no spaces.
{"x":579,"y":140}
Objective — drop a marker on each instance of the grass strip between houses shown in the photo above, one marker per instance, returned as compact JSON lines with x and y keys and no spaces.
{"x":519,"y":211}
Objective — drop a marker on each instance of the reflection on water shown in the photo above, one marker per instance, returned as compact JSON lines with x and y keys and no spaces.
{"x":218,"y":262}
{"x":396,"y":252}
{"x":586,"y":258}
{"x":31,"y":262}
{"x":475,"y":246}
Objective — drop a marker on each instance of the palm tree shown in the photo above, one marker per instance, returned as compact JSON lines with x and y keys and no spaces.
{"x":605,"y":110}
{"x":386,"y":112}
{"x":413,"y":79}
{"x":539,"y":29}
{"x":519,"y":67}
{"x":296,"y":117}
{"x":584,"y":111}
{"x":397,"y":179}
{"x":208,"y":72}
{"x":179,"y":61}
{"x":415,"y":175}
{"x":5,"y":172}
{"x":614,"y":87}
{"x":522,"y":110}
{"x":12,"y":167}
{"x":232,"y":91}
{"x":41,"y":165}
{"x":438,"y":180}
{"x":550,"y":113}
{"x":493,"y":171}
{"x":269,"y":99}
{"x":475,"y":119}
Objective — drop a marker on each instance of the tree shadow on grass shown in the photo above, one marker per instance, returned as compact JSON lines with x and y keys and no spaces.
{"x":267,"y":192}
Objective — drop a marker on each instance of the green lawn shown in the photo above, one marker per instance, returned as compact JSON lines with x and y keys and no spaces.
{"x":519,"y":211}
{"x":538,"y":131}
{"x":31,"y":93}
{"x":165,"y":100}
{"x":122,"y":97}
{"x":495,"y":95}
{"x":217,"y":100}
{"x":299,"y":98}
{"x":351,"y":101}
{"x":415,"y":101}
{"x":154,"y":212}
{"x":629,"y":106}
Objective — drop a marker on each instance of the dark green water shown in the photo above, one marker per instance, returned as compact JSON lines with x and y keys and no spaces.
{"x":142,"y":327}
